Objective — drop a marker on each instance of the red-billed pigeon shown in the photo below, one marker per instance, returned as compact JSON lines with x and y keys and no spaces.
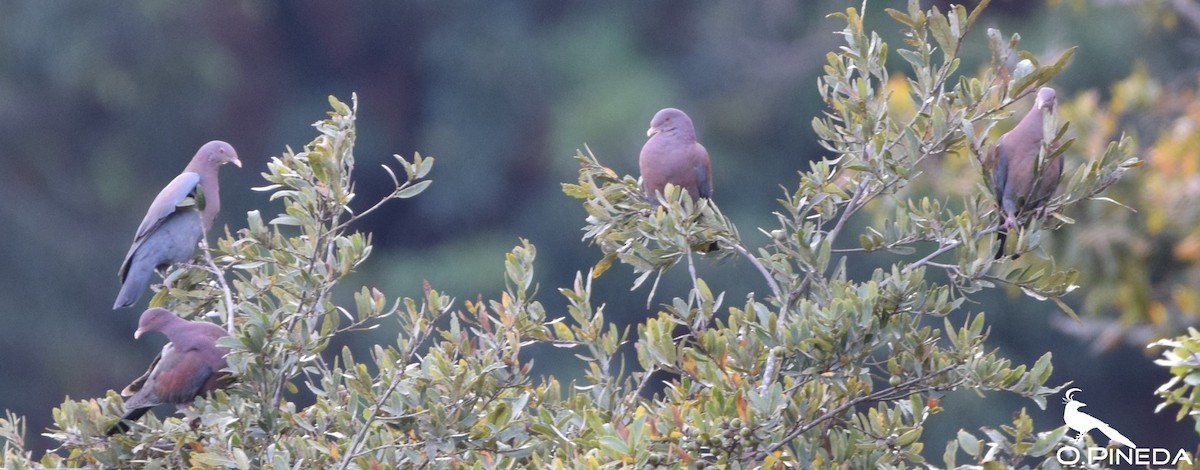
{"x":1023,"y":183}
{"x":188,"y":366}
{"x":179,"y":216}
{"x":672,"y":155}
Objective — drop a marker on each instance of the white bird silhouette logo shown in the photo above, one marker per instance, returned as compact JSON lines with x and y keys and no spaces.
{"x":1084,"y":423}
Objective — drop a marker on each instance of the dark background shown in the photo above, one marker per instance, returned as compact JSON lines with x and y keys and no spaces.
{"x":102,"y":103}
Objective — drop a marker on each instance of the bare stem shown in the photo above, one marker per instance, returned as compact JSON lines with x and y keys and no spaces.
{"x":899,"y":391}
{"x":361,"y":435}
{"x":851,"y":207}
{"x":741,"y":250}
{"x":227,"y":293}
{"x":695,"y":284}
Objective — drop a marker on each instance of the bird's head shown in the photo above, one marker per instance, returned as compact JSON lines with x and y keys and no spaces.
{"x":153,"y":320}
{"x":218,"y":153}
{"x":1070,"y":398}
{"x":1046,"y":99}
{"x":668,"y":120}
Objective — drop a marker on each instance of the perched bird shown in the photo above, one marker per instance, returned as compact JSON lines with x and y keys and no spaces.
{"x":672,"y":155}
{"x":188,"y":366}
{"x":179,"y":216}
{"x":1022,"y":183}
{"x":1083,"y":423}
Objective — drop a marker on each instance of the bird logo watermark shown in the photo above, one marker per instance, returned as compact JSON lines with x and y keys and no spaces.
{"x":1127,"y":453}
{"x":1084,"y":423}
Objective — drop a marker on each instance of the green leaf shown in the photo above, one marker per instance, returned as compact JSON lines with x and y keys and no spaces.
{"x":939,"y":26}
{"x":975,"y":13}
{"x":415,"y":189}
{"x":968,"y":443}
{"x":1048,"y":442}
{"x":899,"y":16}
{"x":1066,"y":309}
{"x":617,"y":447}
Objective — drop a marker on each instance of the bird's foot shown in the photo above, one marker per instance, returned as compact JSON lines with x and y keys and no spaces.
{"x":1010,"y":222}
{"x":168,"y":278}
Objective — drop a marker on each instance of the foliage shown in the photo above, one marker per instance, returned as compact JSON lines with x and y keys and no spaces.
{"x":830,"y":369}
{"x":1162,"y":244}
{"x":825,"y":370}
{"x":1141,"y":265}
{"x":1182,"y":357}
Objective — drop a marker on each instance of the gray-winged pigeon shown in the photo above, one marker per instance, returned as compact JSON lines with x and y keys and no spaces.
{"x":188,"y":366}
{"x":179,"y":216}
{"x":672,"y":155}
{"x":1021,"y":186}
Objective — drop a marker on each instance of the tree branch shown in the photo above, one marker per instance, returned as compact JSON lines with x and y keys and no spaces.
{"x":899,"y":391}
{"x":225,"y":291}
{"x":762,"y":269}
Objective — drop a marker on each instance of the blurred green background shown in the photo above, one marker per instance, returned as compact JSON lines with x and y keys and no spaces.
{"x":102,"y":103}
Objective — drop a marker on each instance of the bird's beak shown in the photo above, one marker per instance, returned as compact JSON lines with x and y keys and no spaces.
{"x":237,"y":162}
{"x":138,"y":334}
{"x":651,"y":131}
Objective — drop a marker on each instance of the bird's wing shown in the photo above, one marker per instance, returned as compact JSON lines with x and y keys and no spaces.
{"x":140,"y":382}
{"x":176,"y":379}
{"x":999,"y":172}
{"x":166,"y":202}
{"x":163,"y":206}
{"x":1047,"y":182}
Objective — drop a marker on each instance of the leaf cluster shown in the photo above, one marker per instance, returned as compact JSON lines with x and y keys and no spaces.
{"x":827,"y":370}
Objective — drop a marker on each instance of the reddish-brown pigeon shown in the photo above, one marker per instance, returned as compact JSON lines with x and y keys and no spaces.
{"x":188,"y":366}
{"x":672,"y":155}
{"x":1021,"y":186}
{"x":179,"y":216}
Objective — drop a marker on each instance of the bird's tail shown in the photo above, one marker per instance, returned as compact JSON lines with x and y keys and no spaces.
{"x":131,"y":289}
{"x":123,"y":424}
{"x":1116,"y":436}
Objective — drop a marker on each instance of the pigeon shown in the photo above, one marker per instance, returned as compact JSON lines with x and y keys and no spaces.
{"x":189,"y":365}
{"x":1021,"y":187}
{"x":178,"y":218}
{"x":672,"y":155}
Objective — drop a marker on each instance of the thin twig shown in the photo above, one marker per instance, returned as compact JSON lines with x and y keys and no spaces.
{"x":851,"y":207}
{"x":769,"y":371}
{"x":354,"y":217}
{"x":741,"y":250}
{"x":952,"y":244}
{"x":361,"y":435}
{"x":886,"y":393}
{"x":695,"y":284}
{"x":653,"y":289}
{"x":645,"y":382}
{"x":227,"y":293}
{"x":378,"y":204}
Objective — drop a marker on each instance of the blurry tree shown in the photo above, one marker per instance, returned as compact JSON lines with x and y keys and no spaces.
{"x":824,"y":369}
{"x":1145,"y":263}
